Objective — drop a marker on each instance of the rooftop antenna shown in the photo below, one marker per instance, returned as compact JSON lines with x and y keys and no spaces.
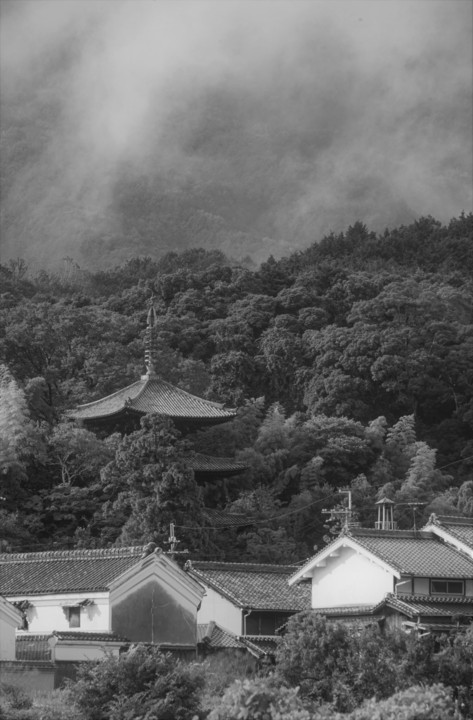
{"x":173,"y":542}
{"x":415,"y":506}
{"x":342,"y":512}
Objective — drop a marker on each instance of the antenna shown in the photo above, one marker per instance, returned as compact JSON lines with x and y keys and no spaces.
{"x":172,"y":541}
{"x":345,"y":512}
{"x":415,"y":506}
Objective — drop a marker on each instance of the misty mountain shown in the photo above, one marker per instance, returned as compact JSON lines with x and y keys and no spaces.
{"x":255,"y":129}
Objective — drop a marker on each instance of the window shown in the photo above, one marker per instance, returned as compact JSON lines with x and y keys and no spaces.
{"x":447,"y":587}
{"x":73,"y":615}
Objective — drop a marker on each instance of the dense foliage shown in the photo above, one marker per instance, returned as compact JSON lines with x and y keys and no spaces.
{"x":142,"y":682}
{"x":349,"y":363}
{"x":345,"y":664}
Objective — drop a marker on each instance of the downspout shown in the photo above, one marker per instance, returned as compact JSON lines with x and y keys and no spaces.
{"x":245,"y":615}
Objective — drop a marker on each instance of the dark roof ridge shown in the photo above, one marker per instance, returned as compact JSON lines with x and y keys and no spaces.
{"x":243,"y":567}
{"x":441,"y":599}
{"x":81,"y":554}
{"x":373,"y":532}
{"x":450,"y":520}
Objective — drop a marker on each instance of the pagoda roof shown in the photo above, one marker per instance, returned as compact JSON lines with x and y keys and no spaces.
{"x":212,"y":465}
{"x":150,"y":395}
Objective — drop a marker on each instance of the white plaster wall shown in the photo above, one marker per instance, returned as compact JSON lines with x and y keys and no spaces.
{"x":350,"y":579}
{"x":7,"y":640}
{"x":220,"y":610}
{"x":47,"y":613}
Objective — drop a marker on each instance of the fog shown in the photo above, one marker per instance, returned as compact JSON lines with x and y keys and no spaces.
{"x":269,"y":122}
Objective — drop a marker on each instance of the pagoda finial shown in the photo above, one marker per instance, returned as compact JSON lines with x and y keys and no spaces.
{"x":150,"y":338}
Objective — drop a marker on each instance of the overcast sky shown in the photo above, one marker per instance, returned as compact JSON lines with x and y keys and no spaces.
{"x":338,"y":111}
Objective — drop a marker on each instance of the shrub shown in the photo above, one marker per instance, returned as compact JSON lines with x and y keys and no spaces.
{"x":142,"y":683}
{"x":13,"y":697}
{"x":220,"y":670}
{"x":259,"y":699}
{"x":336,"y":663}
{"x":415,"y":703}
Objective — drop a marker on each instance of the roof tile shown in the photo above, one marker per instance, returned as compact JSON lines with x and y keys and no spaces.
{"x":254,"y":586}
{"x":64,"y":570}
{"x":153,"y":395}
{"x":415,"y":553}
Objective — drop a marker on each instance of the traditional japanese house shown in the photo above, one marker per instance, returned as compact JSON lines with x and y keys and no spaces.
{"x":413,"y":579}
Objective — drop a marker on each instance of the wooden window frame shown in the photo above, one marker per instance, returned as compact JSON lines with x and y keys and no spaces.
{"x":447,"y":591}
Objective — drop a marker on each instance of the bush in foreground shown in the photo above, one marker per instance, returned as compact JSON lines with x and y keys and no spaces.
{"x":141,"y":683}
{"x":259,"y":699}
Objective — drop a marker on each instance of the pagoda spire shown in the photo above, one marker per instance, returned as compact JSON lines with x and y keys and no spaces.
{"x":150,"y":339}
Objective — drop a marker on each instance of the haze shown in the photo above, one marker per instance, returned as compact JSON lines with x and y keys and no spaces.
{"x":141,"y":126}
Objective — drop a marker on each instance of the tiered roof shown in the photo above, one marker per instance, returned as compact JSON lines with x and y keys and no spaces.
{"x":149,"y":395}
{"x":152,"y":394}
{"x":253,"y":586}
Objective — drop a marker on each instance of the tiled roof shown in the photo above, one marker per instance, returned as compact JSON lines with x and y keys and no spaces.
{"x":216,"y":637}
{"x":414,"y":552}
{"x":33,"y":648}
{"x":261,"y":644}
{"x":460,"y":528}
{"x":64,"y":570}
{"x":220,"y":465}
{"x":78,"y":636}
{"x":222,"y":518}
{"x":254,"y":586}
{"x":428,"y":606}
{"x":351,"y":610}
{"x":153,"y":395}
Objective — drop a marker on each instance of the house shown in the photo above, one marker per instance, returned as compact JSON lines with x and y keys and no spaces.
{"x":406,"y":578}
{"x":86,"y":602}
{"x":10,"y":618}
{"x":245,"y":604}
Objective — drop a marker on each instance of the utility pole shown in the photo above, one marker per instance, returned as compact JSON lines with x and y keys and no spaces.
{"x":345,"y":512}
{"x":173,"y":542}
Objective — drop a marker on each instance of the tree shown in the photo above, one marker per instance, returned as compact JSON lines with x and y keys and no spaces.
{"x":77,"y":452}
{"x":333,"y":662}
{"x":142,"y":680}
{"x":149,"y":485}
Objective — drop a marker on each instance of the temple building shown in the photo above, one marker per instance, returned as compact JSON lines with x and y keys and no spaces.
{"x":122,"y":410}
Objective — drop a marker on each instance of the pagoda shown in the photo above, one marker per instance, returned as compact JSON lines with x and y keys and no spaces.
{"x":122,"y":410}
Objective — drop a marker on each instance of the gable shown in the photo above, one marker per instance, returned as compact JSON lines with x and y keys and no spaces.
{"x":350,"y":579}
{"x":156,"y":602}
{"x":400,"y":552}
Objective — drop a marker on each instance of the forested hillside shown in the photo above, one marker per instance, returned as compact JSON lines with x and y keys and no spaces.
{"x":350,"y":364}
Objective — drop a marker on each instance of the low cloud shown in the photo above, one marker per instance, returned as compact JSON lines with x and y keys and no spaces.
{"x":284,"y":120}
